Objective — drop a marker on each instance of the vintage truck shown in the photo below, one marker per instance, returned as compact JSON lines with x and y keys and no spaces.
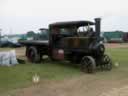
{"x":74,"y":41}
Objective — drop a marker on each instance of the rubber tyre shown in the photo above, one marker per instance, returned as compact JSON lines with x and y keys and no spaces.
{"x":33,"y":55}
{"x":88,"y":64}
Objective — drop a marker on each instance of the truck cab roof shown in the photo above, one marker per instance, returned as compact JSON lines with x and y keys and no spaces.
{"x":71,"y":24}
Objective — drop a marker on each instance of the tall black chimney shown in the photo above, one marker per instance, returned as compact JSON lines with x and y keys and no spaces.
{"x":97,"y":26}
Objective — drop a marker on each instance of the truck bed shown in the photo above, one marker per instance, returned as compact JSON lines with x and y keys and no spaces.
{"x":35,"y":42}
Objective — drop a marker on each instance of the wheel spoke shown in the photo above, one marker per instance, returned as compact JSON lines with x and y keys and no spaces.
{"x":88,"y":64}
{"x":107,"y":62}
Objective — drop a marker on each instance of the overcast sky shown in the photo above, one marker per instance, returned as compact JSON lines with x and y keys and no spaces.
{"x":20,"y":16}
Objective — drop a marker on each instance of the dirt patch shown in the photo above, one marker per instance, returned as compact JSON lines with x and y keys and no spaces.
{"x":123,"y":91}
{"x":20,"y":52}
{"x":116,"y":45}
{"x":85,"y":85}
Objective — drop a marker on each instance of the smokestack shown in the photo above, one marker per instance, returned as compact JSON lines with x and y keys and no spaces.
{"x":97,"y":26}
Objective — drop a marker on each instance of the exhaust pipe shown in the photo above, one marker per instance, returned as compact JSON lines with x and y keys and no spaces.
{"x":97,"y":26}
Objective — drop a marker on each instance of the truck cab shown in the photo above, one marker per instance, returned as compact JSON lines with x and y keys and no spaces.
{"x":73,"y":39}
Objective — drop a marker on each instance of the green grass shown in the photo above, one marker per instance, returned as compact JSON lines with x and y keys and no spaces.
{"x":117,"y":73}
{"x":119,"y":55}
{"x":21,"y":75}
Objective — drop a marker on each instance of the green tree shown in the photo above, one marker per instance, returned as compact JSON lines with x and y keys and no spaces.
{"x":30,"y":34}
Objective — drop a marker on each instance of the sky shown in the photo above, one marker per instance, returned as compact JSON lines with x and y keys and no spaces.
{"x":21,"y":16}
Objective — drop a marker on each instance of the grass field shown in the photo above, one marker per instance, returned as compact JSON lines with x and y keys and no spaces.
{"x":21,"y":75}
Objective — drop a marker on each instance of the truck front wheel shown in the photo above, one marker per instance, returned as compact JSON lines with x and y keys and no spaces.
{"x":33,"y":55}
{"x":88,"y":64}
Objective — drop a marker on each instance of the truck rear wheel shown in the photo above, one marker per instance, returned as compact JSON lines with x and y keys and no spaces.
{"x":88,"y":64}
{"x":33,"y":55}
